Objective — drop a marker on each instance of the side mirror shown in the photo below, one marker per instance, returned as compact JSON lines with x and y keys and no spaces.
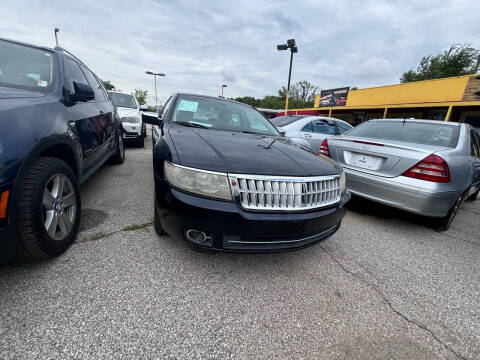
{"x":282,"y":132}
{"x":152,"y":119}
{"x":83,"y":92}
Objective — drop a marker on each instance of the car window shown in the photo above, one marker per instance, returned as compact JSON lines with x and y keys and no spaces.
{"x":416,"y":132}
{"x":474,"y":143}
{"x":323,"y":127}
{"x":25,"y":67}
{"x":73,"y":73}
{"x":221,"y":114}
{"x":166,"y":108}
{"x":342,"y":127}
{"x":95,"y":84}
{"x":123,"y":100}
{"x":307,"y":128}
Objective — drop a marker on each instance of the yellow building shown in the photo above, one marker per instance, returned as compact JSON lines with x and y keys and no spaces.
{"x":450,"y":99}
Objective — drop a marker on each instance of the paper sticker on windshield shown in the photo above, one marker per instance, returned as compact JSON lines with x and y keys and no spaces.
{"x":186,"y":105}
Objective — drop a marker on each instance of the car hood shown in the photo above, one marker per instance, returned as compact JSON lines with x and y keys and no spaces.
{"x":123,"y":112}
{"x":240,"y":153}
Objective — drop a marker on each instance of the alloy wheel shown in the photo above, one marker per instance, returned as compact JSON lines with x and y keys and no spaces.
{"x":59,"y":206}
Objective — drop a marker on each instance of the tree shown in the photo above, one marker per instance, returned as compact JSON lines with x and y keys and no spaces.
{"x":108,"y":85}
{"x":304,"y":91}
{"x":460,"y":59}
{"x":141,"y":96}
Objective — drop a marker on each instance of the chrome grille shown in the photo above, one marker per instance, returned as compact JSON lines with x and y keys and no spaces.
{"x":260,"y":192}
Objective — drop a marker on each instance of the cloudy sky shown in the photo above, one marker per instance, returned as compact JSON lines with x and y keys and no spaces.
{"x":202,"y":44}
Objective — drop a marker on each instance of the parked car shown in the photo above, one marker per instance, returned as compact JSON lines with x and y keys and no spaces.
{"x":423,"y":166}
{"x":226,"y":179}
{"x":310,"y":131}
{"x":57,"y":127}
{"x":130,"y":114}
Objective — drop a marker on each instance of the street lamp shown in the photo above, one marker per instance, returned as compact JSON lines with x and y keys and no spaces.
{"x":223,"y":86}
{"x":293,"y":49}
{"x":155,"y":77}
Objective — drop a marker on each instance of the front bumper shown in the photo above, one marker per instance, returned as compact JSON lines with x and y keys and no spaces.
{"x":132,"y":131}
{"x":412,"y":195}
{"x":230,"y":228}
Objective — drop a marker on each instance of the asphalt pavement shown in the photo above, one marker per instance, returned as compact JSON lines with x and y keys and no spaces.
{"x":385,"y":286}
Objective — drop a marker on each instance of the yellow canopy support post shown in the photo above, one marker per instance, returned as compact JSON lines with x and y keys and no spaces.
{"x":330,"y":112}
{"x":449,"y":112}
{"x":286,"y":104}
{"x":385,"y":113}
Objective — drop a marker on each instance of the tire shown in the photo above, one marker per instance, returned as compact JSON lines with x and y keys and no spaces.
{"x":157,"y":225}
{"x":443,"y":224}
{"x":119,"y":156}
{"x":140,"y":141}
{"x":46,"y":220}
{"x":473,"y":197}
{"x":144,"y":130}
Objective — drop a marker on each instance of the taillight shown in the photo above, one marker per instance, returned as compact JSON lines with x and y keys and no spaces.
{"x":324,"y":148}
{"x":432,"y":168}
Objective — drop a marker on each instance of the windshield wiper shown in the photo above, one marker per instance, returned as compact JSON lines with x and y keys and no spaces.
{"x":195,"y":125}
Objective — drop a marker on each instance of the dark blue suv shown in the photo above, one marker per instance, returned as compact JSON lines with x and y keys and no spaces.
{"x":57,"y":127}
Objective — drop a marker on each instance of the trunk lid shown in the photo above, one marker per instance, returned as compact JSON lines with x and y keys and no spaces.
{"x":378,"y":157}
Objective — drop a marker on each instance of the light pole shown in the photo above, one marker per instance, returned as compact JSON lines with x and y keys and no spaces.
{"x":293,"y":49}
{"x":223,"y":86}
{"x":155,"y":78}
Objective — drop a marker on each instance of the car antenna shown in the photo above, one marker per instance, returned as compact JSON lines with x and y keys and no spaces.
{"x":56,"y":36}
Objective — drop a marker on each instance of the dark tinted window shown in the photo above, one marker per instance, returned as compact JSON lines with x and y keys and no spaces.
{"x":95,"y":84}
{"x":307,"y":128}
{"x":285,"y":120}
{"x":323,"y":127}
{"x":73,"y":73}
{"x":415,"y":132}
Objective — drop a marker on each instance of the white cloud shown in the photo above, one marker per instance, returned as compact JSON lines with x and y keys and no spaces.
{"x":202,"y":44}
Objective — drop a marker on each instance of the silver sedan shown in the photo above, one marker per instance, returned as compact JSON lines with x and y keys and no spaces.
{"x":310,"y":131}
{"x":421,"y":166}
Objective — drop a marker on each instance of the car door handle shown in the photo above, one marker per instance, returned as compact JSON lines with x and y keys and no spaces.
{"x":307,"y":135}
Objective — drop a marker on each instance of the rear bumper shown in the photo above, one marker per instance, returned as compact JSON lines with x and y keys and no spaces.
{"x":404,"y":193}
{"x":229,"y":228}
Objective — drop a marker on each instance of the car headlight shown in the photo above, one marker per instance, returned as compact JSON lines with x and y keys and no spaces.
{"x":202,"y":182}
{"x":130,"y":119}
{"x":343,"y":182}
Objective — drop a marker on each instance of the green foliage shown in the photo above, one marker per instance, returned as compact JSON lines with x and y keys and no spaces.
{"x":302,"y":94}
{"x":141,"y":96}
{"x":460,"y":59}
{"x":108,"y":85}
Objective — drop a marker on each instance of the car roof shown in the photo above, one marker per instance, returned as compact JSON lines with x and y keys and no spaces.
{"x":28,"y":44}
{"x":440,"y":122}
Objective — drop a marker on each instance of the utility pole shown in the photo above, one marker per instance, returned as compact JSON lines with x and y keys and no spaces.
{"x":293,"y":49}
{"x":155,"y":79}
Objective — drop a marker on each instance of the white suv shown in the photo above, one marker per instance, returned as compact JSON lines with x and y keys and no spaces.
{"x":129,"y":112}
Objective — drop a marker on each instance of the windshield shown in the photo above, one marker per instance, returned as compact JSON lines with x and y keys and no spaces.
{"x":409,"y":132}
{"x":123,"y":100}
{"x":285,"y":120}
{"x":25,"y":67}
{"x":221,"y":115}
